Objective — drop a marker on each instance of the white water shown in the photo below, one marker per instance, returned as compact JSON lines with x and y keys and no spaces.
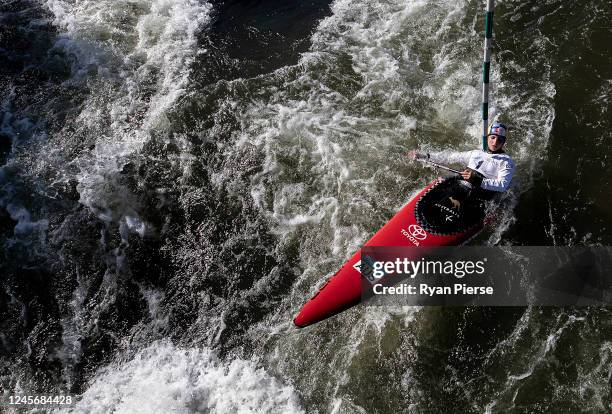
{"x":379,"y":79}
{"x":163,"y":378}
{"x":136,"y":56}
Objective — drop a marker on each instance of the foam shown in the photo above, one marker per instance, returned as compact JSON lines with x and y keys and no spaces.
{"x":25,"y":226}
{"x":164,"y":378}
{"x":136,"y":56}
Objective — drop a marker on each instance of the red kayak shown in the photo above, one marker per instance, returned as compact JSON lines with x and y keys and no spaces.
{"x":439,"y":215}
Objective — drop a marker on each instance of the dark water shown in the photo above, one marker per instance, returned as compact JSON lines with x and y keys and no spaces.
{"x":178,"y":177}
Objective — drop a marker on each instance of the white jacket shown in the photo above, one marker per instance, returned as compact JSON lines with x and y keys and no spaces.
{"x":497,"y":169}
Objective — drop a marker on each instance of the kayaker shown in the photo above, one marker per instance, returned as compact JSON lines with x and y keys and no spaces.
{"x":490,"y":170}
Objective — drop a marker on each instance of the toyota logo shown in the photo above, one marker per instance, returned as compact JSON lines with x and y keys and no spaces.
{"x":417,"y":232}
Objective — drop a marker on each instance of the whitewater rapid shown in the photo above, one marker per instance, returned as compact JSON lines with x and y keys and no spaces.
{"x":181,"y":217}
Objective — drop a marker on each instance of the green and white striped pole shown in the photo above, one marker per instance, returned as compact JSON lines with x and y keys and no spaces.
{"x":486,"y":67}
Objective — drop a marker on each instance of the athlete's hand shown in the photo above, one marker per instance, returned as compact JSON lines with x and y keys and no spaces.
{"x":467,"y":174}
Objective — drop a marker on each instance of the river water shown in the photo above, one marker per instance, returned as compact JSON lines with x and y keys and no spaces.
{"x":178,"y":177}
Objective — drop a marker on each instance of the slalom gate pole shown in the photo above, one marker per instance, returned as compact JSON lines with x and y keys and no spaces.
{"x":486,"y":67}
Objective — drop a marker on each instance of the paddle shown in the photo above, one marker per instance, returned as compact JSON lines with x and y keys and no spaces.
{"x":414,"y":156}
{"x":442,"y":167}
